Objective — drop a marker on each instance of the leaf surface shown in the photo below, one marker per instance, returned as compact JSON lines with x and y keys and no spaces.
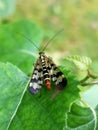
{"x":16,"y":43}
{"x":80,"y":117}
{"x":82,"y":62}
{"x":45,"y":112}
{"x":12,"y":87}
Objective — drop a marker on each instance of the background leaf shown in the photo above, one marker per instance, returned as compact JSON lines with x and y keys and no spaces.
{"x":97,"y":116}
{"x":15,"y":47}
{"x":12,"y":87}
{"x":82,"y":62}
{"x":80,"y":117}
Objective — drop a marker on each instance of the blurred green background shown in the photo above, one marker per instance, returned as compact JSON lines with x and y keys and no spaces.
{"x":78,"y":18}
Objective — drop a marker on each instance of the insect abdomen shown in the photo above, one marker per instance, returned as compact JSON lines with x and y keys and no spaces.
{"x":45,"y":72}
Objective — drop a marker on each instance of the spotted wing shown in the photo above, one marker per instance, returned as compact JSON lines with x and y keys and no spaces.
{"x":56,"y":75}
{"x":37,"y":78}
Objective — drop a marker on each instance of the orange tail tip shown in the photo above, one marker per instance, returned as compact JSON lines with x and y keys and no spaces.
{"x":47,"y":83}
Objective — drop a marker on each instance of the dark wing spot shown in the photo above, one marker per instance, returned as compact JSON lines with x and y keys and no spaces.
{"x":39,"y":70}
{"x":59,"y":74}
{"x":34,"y":80}
{"x":62,"y":84}
{"x":40,"y":78}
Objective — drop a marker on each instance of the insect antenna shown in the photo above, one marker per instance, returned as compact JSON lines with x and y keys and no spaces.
{"x":29,"y":40}
{"x":24,"y":36}
{"x":52,"y":39}
{"x":21,"y":34}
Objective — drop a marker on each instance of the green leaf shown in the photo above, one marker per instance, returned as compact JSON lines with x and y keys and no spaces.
{"x":7,"y":8}
{"x":21,"y":110}
{"x":15,"y":46}
{"x":80,"y":117}
{"x":45,"y":112}
{"x":97,"y":116}
{"x":82,"y":62}
{"x":12,"y":88}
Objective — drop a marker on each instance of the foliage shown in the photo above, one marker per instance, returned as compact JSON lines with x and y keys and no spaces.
{"x":15,"y":47}
{"x":82,"y":62}
{"x":11,"y":92}
{"x":80,"y":117}
{"x":19,"y":42}
{"x":18,"y":105}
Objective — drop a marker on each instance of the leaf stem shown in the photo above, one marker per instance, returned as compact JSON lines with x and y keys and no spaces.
{"x":88,"y":76}
{"x":92,"y":83}
{"x":92,"y":75}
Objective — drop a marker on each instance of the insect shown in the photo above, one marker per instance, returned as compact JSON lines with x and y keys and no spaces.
{"x":45,"y":71}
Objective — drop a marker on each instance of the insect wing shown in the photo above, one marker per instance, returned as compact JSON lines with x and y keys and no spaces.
{"x":57,"y":76}
{"x":36,"y":79}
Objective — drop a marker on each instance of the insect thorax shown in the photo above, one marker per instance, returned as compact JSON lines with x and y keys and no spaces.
{"x":43,"y":59}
